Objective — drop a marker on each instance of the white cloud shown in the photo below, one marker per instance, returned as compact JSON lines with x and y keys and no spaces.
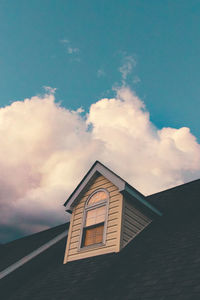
{"x":46,"y":150}
{"x":71,"y":50}
{"x":49,"y":89}
{"x":128,"y":63}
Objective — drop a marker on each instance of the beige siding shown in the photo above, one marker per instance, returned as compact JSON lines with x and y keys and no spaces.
{"x":113,"y":233}
{"x":134,"y":221}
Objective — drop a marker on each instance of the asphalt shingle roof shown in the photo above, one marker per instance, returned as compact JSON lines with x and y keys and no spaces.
{"x":15,"y":250}
{"x":162,"y":262}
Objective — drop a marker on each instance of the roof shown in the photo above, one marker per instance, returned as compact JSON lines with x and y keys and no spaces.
{"x":15,"y":250}
{"x":162,"y":262}
{"x":124,"y":188}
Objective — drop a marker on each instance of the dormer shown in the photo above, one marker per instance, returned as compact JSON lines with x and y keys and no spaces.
{"x":107,"y":213}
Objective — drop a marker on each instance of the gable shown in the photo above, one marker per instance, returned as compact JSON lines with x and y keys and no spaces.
{"x":123,"y":187}
{"x":94,"y":172}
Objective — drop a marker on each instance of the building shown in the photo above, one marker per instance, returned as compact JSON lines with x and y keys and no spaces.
{"x":120,"y":245}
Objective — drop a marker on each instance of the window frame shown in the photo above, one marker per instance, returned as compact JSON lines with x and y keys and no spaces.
{"x":87,"y":208}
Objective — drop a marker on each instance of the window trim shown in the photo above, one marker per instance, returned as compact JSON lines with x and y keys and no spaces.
{"x":90,"y":207}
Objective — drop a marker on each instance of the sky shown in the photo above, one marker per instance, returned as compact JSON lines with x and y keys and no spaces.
{"x":116,"y":81}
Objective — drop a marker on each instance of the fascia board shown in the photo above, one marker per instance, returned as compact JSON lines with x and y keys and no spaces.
{"x":122,"y":185}
{"x":141,"y":198}
{"x":96,"y":168}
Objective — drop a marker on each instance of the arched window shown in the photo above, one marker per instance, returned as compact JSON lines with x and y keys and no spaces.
{"x":94,"y":223}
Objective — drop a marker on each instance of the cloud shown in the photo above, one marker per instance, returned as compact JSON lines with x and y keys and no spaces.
{"x":46,"y":150}
{"x":70,"y":49}
{"x":49,"y":89}
{"x":128,"y":63}
{"x":136,"y":80}
{"x":101,"y":73}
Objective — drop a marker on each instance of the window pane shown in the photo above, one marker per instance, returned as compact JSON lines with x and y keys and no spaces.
{"x":99,"y":196}
{"x":100,"y":219}
{"x":90,"y":221}
{"x":100,"y":211}
{"x":95,"y":216}
{"x":93,"y":235}
{"x":91,"y":213}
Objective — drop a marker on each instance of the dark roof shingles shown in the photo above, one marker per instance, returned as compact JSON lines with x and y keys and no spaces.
{"x":160,"y":263}
{"x":15,"y":250}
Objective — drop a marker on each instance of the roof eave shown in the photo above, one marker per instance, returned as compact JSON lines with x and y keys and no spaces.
{"x":141,"y":198}
{"x":97,"y":168}
{"x":124,"y":188}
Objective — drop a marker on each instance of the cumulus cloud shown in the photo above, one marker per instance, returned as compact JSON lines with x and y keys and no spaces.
{"x":46,"y":150}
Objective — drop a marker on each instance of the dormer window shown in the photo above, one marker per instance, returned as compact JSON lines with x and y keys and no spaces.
{"x":94,"y":221}
{"x":107,"y":213}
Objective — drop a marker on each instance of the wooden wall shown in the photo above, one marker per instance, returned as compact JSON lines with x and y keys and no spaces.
{"x":134,"y":221}
{"x":113,"y":234}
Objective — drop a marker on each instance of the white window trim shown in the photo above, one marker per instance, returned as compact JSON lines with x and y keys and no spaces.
{"x":86,"y":209}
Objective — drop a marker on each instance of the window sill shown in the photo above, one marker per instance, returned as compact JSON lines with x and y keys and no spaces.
{"x":85,"y":248}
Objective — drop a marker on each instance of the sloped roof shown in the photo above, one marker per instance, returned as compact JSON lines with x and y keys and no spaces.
{"x":15,"y":250}
{"x":161,"y":263}
{"x":125,"y":188}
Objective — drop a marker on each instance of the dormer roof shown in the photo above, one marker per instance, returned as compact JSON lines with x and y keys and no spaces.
{"x":126,"y":189}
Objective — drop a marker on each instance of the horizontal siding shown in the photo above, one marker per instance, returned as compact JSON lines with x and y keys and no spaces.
{"x":112,"y":234}
{"x":128,"y":233}
{"x":112,"y":228}
{"x":95,"y":252}
{"x":114,"y":203}
{"x":98,"y":185}
{"x":134,"y":221}
{"x":130,"y":227}
{"x":131,"y":222}
{"x":76,"y":233}
{"x":100,"y":178}
{"x":132,"y":216}
{"x":138,"y":213}
{"x":90,"y":250}
{"x":112,"y":223}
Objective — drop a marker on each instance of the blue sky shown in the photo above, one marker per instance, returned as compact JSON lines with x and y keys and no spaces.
{"x":162,"y":36}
